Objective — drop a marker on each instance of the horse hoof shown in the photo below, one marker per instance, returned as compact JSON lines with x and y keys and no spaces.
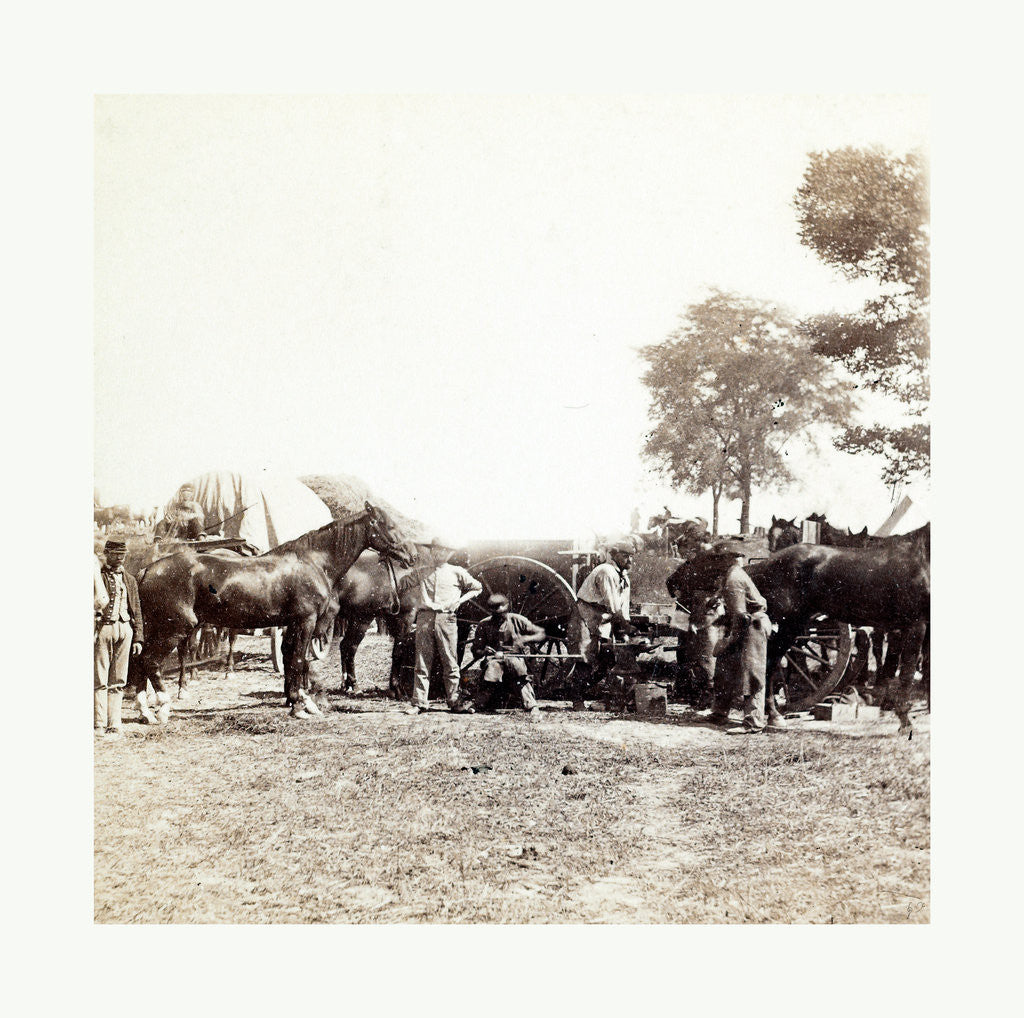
{"x":163,"y":714}
{"x":229,"y":676}
{"x":184,"y":694}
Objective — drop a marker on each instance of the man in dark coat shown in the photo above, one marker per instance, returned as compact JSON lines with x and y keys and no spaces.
{"x":118,"y":634}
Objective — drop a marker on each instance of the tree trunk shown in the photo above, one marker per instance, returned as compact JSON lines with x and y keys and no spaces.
{"x":745,"y":509}
{"x":714,"y":514}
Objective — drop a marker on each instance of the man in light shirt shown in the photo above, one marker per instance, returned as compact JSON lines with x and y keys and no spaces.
{"x":602,"y":604}
{"x":443,"y":588}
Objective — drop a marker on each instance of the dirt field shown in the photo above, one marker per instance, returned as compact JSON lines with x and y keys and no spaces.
{"x":235,"y":813}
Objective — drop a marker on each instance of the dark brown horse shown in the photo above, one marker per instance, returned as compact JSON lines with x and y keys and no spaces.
{"x":886,"y":586}
{"x":373,"y":589}
{"x":293,"y":586}
{"x":783,"y":533}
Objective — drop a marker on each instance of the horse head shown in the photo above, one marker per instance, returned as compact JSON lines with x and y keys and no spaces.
{"x":385,"y":538}
{"x":782,"y":533}
{"x":695,"y":577}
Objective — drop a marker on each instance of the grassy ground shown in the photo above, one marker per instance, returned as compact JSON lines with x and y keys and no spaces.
{"x":234,"y":813}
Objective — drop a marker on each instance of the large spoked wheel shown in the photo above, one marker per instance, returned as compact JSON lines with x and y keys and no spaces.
{"x":545,"y":598}
{"x":814,"y":664}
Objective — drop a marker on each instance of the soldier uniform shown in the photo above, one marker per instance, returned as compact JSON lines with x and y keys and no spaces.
{"x":118,"y":635}
{"x":502,"y":633}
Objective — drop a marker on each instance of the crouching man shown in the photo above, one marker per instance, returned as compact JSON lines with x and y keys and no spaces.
{"x":118,"y":634}
{"x":498,"y":637}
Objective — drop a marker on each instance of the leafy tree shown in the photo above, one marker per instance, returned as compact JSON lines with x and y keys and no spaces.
{"x":729,"y":388}
{"x":865,"y":212}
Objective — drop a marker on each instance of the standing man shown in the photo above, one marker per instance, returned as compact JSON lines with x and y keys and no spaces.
{"x":502,"y":634}
{"x":118,"y":635}
{"x":602,"y":607}
{"x":743,"y":652}
{"x":443,"y":588}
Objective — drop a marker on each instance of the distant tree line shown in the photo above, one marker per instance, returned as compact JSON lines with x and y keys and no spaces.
{"x":739,"y":380}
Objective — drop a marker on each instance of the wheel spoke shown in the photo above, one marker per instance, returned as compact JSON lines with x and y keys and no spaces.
{"x":804,"y":674}
{"x":807,"y":652}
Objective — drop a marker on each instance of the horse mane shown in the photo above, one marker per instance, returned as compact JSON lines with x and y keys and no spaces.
{"x":335,"y":536}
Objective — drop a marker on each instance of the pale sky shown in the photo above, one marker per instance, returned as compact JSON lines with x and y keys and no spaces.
{"x":444,"y":295}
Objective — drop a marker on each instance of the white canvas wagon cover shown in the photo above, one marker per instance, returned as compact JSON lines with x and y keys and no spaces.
{"x":265,"y":511}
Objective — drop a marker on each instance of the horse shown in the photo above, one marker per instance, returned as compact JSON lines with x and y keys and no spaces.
{"x":836,"y":538}
{"x":785,"y":532}
{"x":693,"y":538}
{"x":782,"y":533}
{"x":373,"y":590}
{"x":886,"y":586}
{"x":294,"y":585}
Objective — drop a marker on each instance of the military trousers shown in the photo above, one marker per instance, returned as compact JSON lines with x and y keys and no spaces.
{"x":112,"y":649}
{"x":511,"y":670}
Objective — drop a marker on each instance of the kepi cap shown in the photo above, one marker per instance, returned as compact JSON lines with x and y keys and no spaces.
{"x":113,"y":545}
{"x":496,"y":602}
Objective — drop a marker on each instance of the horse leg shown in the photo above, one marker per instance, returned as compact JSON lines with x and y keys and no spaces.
{"x":146,"y":669}
{"x":355,"y":630}
{"x":778,"y":644}
{"x":229,"y":664}
{"x":188,"y":650}
{"x":926,"y":665}
{"x":296,"y":668}
{"x":910,"y":652}
{"x":398,"y":688}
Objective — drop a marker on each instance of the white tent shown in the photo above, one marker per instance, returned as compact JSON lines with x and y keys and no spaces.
{"x":265,"y":511}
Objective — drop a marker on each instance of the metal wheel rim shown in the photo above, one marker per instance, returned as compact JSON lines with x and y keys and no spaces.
{"x":817,"y":661}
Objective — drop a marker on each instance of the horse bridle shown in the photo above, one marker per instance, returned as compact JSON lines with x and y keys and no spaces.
{"x":387,"y":557}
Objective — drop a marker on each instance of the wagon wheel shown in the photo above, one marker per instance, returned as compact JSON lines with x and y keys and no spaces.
{"x":814,"y":664}
{"x":545,"y":598}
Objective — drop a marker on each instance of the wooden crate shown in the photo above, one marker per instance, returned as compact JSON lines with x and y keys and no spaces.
{"x":846,"y":712}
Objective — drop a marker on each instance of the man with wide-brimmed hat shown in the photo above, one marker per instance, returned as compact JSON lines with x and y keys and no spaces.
{"x":602,"y":610}
{"x":118,"y":635}
{"x":443,"y":588}
{"x":499,"y":638}
{"x":742,"y":654}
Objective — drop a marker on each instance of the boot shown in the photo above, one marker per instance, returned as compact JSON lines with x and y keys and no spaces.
{"x":99,"y":709}
{"x":114,"y":698}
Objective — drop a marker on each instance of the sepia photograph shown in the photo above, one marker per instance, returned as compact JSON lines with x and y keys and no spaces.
{"x":511,"y":509}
